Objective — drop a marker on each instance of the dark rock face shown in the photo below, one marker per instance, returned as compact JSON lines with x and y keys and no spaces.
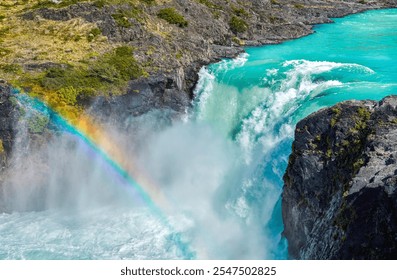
{"x":143,"y":95}
{"x":7,"y":125}
{"x":340,"y":193}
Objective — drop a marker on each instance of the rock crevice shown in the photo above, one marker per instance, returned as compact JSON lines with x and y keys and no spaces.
{"x":339,"y":197}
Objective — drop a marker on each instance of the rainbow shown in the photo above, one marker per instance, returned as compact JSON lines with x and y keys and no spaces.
{"x":94,"y":136}
{"x":102,"y":144}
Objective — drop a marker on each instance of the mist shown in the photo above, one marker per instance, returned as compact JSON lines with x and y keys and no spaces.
{"x":200,"y":173}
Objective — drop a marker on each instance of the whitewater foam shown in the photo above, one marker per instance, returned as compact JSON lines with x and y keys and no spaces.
{"x":221,"y":168}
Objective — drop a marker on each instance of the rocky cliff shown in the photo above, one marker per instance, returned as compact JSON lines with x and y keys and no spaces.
{"x":8,"y":121}
{"x":64,"y":50}
{"x":123,"y":58}
{"x":340,"y":193}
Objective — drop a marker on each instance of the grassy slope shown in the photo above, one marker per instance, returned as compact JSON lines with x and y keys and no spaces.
{"x":83,"y":62}
{"x":64,"y":62}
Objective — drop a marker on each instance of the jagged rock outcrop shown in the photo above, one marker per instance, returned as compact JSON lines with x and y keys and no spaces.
{"x":14,"y":120}
{"x":173,"y":55}
{"x":340,"y":194}
{"x":143,"y":95}
{"x":7,"y":125}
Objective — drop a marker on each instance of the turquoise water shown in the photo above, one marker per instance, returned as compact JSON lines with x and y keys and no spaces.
{"x":220,"y":167}
{"x":257,"y":99}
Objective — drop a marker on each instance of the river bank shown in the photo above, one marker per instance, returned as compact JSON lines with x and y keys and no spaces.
{"x":67,"y":40}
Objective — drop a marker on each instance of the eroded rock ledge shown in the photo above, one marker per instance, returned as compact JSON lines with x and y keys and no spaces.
{"x":340,"y":193}
{"x":172,"y":55}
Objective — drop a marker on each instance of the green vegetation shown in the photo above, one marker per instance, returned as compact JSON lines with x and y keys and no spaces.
{"x":337,"y":111}
{"x":4,"y":52}
{"x":11,"y":68}
{"x":209,"y":4}
{"x":122,"y":16}
{"x":299,"y":6}
{"x":73,"y":84}
{"x":121,"y":19}
{"x":173,"y":17}
{"x":4,"y":31}
{"x":328,"y":153}
{"x":238,"y":25}
{"x":149,"y":2}
{"x":1,"y":147}
{"x":83,"y":63}
{"x":333,"y":122}
{"x":69,"y":95}
{"x":179,"y":55}
{"x":94,"y":33}
{"x":345,"y":143}
{"x":240,"y":12}
{"x":238,"y":41}
{"x":120,"y":65}
{"x":273,"y":19}
{"x":363,"y":115}
{"x":215,"y":8}
{"x":50,"y":4}
{"x":38,"y":123}
{"x":100,"y":3}
{"x":114,"y":67}
{"x":357,"y":165}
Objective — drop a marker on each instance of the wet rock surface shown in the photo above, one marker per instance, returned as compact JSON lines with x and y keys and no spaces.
{"x":339,"y":198}
{"x":7,"y":124}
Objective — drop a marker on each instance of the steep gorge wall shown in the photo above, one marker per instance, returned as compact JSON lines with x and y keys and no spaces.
{"x":340,"y":194}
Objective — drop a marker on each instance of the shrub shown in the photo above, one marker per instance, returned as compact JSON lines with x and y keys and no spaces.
{"x":121,"y":20}
{"x":12,"y":68}
{"x":114,"y":68}
{"x":239,"y":11}
{"x":100,"y":3}
{"x":149,"y":2}
{"x":122,"y":16}
{"x":122,"y":63}
{"x":38,"y":123}
{"x":51,"y":4}
{"x":68,"y":95}
{"x":209,"y":4}
{"x":95,"y":32}
{"x":172,"y":16}
{"x":238,"y":25}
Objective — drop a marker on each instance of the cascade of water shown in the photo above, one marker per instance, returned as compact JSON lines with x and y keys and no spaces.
{"x":68,"y":174}
{"x":220,"y":170}
{"x":260,"y":119}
